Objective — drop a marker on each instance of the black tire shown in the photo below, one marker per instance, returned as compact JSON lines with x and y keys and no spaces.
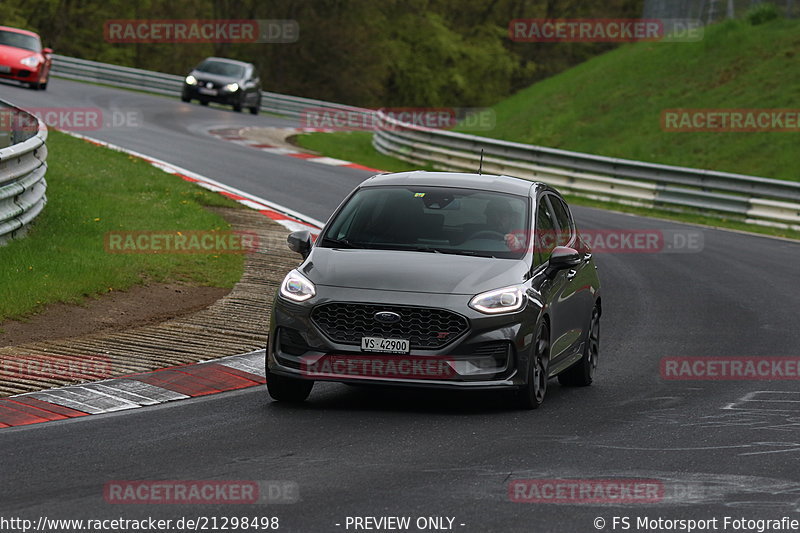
{"x":185,"y":99}
{"x":532,"y":395}
{"x":581,"y":374}
{"x":34,"y":86}
{"x":43,"y":86}
{"x":203,"y":102}
{"x":290,"y":390}
{"x":238,"y":105}
{"x":256,"y":108}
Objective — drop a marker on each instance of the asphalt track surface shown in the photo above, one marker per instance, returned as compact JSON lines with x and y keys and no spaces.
{"x":363,"y":452}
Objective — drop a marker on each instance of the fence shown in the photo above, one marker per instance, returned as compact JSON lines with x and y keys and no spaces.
{"x":711,"y":11}
{"x":170,"y":84}
{"x":757,"y":200}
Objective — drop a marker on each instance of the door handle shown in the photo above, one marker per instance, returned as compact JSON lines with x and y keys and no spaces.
{"x":571,"y":274}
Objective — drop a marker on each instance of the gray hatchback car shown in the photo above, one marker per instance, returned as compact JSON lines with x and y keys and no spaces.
{"x":436,"y":279}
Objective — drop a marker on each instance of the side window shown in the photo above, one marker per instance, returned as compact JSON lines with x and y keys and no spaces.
{"x":565,"y":224}
{"x":544,"y":241}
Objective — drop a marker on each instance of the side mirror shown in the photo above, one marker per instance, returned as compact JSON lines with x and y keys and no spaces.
{"x":300,"y":242}
{"x":563,"y":257}
{"x":47,"y":51}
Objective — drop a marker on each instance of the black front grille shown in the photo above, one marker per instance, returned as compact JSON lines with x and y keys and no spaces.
{"x":424,"y":327}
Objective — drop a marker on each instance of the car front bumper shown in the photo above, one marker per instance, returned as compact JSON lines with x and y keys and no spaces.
{"x":491,"y":353}
{"x":196,"y":92}
{"x":18,"y":73}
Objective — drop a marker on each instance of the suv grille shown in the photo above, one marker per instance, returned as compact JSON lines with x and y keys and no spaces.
{"x":424,"y":327}
{"x":205,"y":84}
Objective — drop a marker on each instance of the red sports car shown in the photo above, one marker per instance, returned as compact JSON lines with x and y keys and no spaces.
{"x":22,"y":57}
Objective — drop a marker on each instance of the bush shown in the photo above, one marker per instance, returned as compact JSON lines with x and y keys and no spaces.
{"x":761,"y":13}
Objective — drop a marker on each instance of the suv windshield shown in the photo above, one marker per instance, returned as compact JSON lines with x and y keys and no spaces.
{"x":20,"y":40}
{"x":221,"y":68}
{"x":432,"y":219}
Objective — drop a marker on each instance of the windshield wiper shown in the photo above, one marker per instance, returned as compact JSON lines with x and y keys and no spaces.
{"x":451,"y":251}
{"x":456,"y":251}
{"x":405,"y":247}
{"x":341,"y":243}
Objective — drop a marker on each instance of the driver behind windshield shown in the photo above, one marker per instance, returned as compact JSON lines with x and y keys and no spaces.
{"x":500,"y":218}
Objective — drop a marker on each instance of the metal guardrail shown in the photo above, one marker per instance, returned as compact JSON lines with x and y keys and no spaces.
{"x":170,"y":84}
{"x":757,"y":200}
{"x":22,"y":169}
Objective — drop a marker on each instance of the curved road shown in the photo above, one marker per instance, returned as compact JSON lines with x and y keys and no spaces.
{"x":717,"y":447}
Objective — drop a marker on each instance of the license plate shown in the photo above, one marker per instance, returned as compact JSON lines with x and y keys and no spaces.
{"x":211,"y":92}
{"x":5,"y":69}
{"x":378,"y":344}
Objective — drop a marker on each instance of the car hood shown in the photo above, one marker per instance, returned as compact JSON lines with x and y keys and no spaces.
{"x":216,"y":78}
{"x":10,"y":54}
{"x":395,"y":270}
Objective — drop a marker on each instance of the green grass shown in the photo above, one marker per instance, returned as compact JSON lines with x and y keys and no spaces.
{"x":612,"y":104}
{"x":355,"y":146}
{"x":91,"y":191}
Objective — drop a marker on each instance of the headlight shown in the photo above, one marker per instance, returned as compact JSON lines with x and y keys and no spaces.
{"x":30,"y":61}
{"x":191,"y":80}
{"x":232,"y":87}
{"x":505,"y":300}
{"x":296,"y":287}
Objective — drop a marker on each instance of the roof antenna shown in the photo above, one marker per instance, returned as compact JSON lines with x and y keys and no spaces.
{"x":480,"y":165}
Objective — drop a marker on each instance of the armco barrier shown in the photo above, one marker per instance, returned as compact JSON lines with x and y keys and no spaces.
{"x":170,"y":84}
{"x":754,"y":199}
{"x":22,"y":183}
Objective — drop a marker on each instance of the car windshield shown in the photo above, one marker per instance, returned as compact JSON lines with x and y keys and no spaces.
{"x":432,"y":219}
{"x":20,"y":40}
{"x":221,"y":68}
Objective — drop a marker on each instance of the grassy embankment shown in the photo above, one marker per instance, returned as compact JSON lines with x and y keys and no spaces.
{"x":612,"y":105}
{"x":91,"y":191}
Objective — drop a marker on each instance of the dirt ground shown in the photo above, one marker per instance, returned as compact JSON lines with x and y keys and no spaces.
{"x":138,"y":306}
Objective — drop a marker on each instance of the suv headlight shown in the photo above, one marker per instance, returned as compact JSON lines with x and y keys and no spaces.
{"x":297,"y":287}
{"x":232,"y":87}
{"x":191,"y":80}
{"x":30,"y":61}
{"x":505,"y":300}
